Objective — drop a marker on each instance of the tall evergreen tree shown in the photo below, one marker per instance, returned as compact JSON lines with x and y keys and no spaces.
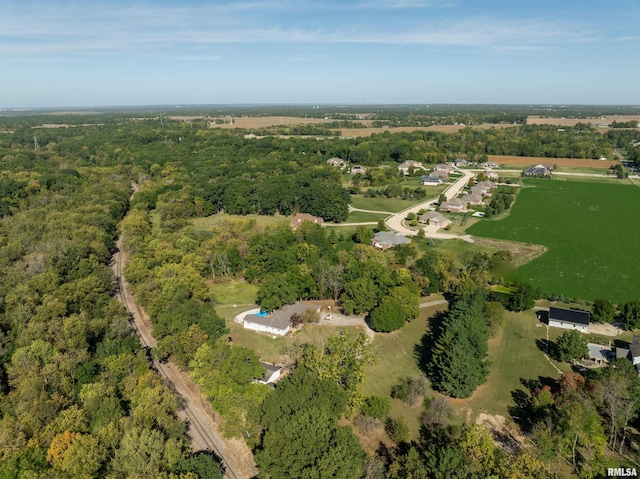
{"x":459,"y":362}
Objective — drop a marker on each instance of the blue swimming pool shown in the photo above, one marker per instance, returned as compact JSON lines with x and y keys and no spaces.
{"x":262,"y":314}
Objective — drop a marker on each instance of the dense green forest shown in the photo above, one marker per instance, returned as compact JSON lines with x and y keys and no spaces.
{"x":78,"y":395}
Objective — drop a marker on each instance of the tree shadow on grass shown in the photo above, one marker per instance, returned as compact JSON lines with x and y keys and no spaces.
{"x":523,"y":411}
{"x":423,"y":351}
{"x":549,"y":348}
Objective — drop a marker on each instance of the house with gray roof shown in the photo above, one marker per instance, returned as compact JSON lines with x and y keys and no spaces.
{"x":271,"y":375}
{"x":279,"y":321}
{"x":455,"y":205}
{"x":435,"y":219}
{"x":473,"y":199}
{"x":388,"y":239}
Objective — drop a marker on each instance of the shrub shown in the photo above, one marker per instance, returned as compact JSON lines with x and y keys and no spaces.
{"x":397,"y":430}
{"x":378,"y":407}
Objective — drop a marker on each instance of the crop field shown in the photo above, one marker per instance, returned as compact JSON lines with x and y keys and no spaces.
{"x":534,"y":160}
{"x":540,"y":120}
{"x":358,"y":132}
{"x":591,"y":231}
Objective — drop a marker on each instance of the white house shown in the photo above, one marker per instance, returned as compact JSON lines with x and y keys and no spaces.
{"x":337,"y":162}
{"x":569,"y":319}
{"x":271,"y":375}
{"x":279,"y":321}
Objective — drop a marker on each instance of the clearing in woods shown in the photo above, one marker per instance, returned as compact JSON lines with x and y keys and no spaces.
{"x":591,"y":231}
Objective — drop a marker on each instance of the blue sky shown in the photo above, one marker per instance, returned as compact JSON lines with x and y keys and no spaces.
{"x":94,"y":53}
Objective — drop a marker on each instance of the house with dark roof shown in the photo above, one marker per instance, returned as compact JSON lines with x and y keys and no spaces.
{"x":538,"y":171}
{"x":632,"y":353}
{"x":388,"y":239}
{"x":279,"y":321}
{"x":431,"y":180}
{"x":569,"y":319}
{"x":297,"y":220}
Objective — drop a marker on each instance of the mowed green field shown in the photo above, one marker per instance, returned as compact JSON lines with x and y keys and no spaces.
{"x":592,"y":231}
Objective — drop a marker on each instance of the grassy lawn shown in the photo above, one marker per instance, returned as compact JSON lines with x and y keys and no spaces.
{"x":380,"y":203}
{"x":514,"y":356}
{"x":591,"y":231}
{"x":213,"y":220}
{"x":360,"y":217}
{"x":457,"y":246}
{"x":397,"y":360}
{"x":234,"y":292}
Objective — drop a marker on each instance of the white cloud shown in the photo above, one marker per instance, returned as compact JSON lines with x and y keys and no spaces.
{"x":143,"y":29}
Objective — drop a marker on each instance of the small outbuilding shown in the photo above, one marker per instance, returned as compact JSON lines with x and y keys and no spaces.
{"x":569,"y":319}
{"x":271,"y":375}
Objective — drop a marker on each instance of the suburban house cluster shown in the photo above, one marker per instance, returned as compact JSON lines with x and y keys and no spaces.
{"x":474,"y":197}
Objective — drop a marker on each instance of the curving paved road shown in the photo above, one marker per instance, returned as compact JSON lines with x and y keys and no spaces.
{"x":394,"y":222}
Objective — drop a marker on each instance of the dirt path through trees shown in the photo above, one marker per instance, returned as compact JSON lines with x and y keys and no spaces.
{"x":235,"y":454}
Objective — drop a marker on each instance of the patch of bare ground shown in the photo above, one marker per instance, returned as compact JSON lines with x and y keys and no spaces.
{"x":370,"y":437}
{"x":522,"y":253}
{"x":506,"y":435}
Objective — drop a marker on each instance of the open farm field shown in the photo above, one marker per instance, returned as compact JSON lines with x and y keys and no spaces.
{"x":261,"y":220}
{"x":534,"y":160}
{"x":540,"y":120}
{"x":591,"y":231}
{"x":357,"y":132}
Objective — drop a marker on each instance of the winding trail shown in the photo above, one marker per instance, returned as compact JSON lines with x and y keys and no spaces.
{"x":235,"y":455}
